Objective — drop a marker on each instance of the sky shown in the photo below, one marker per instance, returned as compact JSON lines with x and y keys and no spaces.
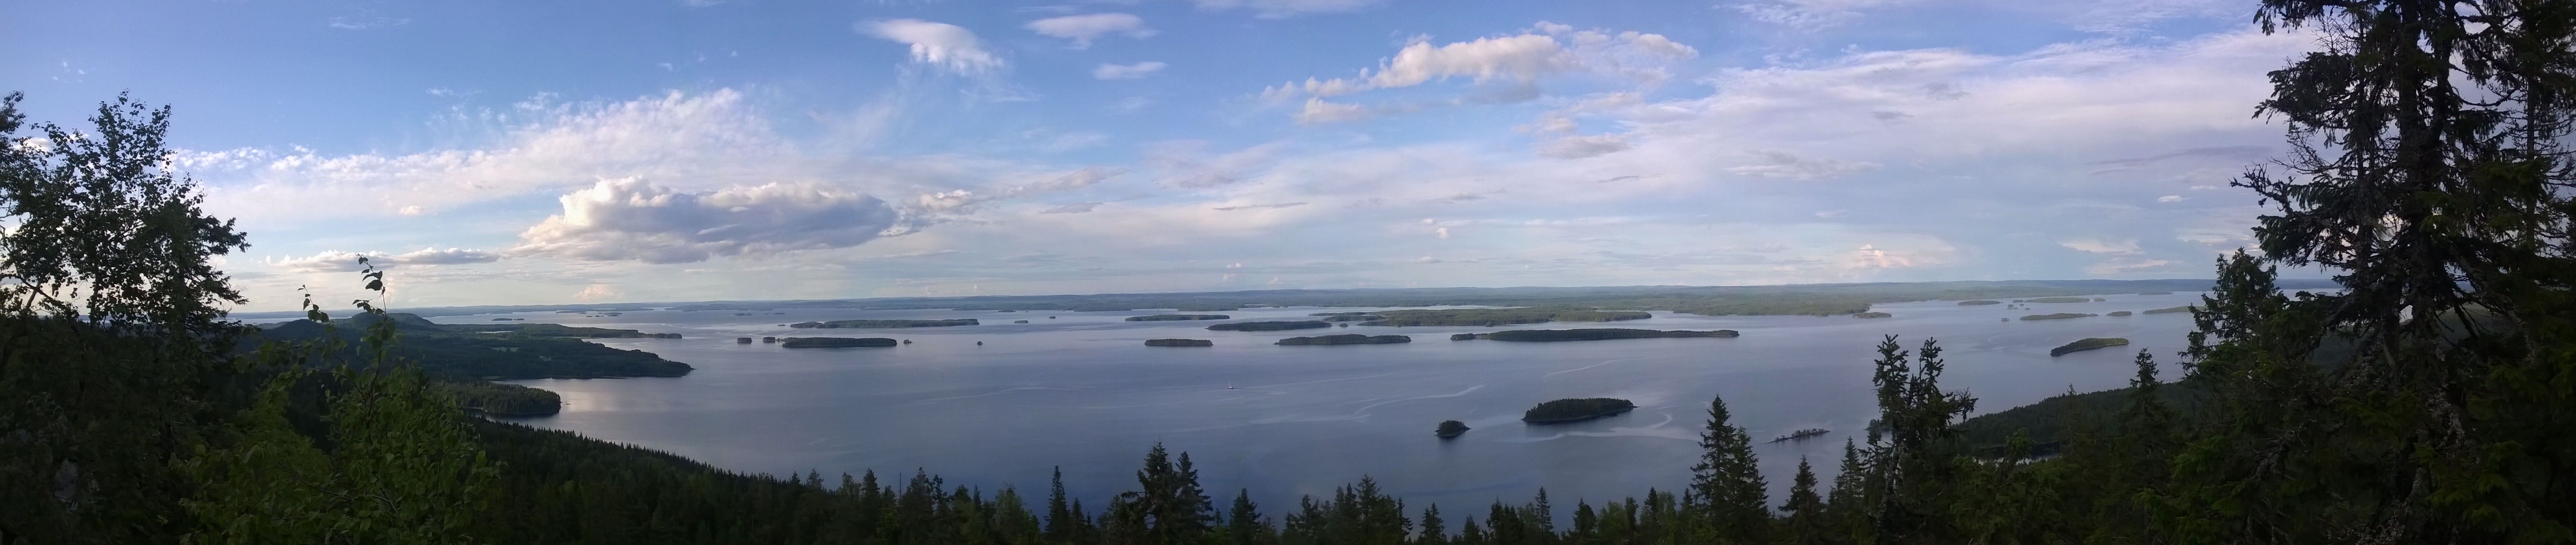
{"x":513,"y":152}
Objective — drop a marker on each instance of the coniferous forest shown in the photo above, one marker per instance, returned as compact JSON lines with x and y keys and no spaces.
{"x":2429,"y":402}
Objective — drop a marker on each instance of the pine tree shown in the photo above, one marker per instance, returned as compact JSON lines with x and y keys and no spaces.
{"x":1434,"y":531}
{"x":1244,"y":524}
{"x":1806,"y":522}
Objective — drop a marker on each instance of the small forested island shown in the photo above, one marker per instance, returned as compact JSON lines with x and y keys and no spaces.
{"x":1979,"y":302}
{"x":1353,"y":338}
{"x":1576,"y":410}
{"x":2184,"y":308}
{"x":1800,"y":434}
{"x":1595,"y":334}
{"x":500,"y":399}
{"x":2058,"y":316}
{"x":1451,"y":428}
{"x":2088,"y":344}
{"x":1501,"y":316}
{"x":837,"y":324}
{"x":1179,"y":342}
{"x":1354,"y":318}
{"x":1178,"y":317}
{"x":2118,"y":313}
{"x":1270,"y":326}
{"x":2064,"y":300}
{"x":1872,"y":315}
{"x":836,"y":342}
{"x":1019,"y":321}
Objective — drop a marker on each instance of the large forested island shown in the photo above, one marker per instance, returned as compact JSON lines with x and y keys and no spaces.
{"x":1576,"y":410}
{"x":1348,"y":339}
{"x":836,"y":324}
{"x":1596,"y":334}
{"x":1178,"y":317}
{"x":1179,"y":342}
{"x":1270,"y":326}
{"x":2088,"y":344}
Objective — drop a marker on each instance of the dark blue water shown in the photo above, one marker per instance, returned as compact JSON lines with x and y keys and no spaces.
{"x":1080,"y":391}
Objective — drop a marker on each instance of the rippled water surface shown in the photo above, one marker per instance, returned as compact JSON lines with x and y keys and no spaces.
{"x":1080,"y":391}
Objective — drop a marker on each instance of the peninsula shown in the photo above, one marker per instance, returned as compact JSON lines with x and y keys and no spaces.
{"x":1501,"y":316}
{"x":1178,"y":317}
{"x":1270,"y":326}
{"x":1576,"y":410}
{"x":2088,"y":344}
{"x":835,"y":342}
{"x":2184,"y":308}
{"x":1353,"y":338}
{"x":488,"y":351}
{"x":837,"y":324}
{"x":2058,"y":316}
{"x":1597,"y":334}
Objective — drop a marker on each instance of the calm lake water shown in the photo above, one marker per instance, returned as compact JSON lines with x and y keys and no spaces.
{"x":1079,"y":390}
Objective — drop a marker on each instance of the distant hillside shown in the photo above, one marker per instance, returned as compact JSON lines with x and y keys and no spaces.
{"x":1807,"y":299}
{"x":499,"y":351}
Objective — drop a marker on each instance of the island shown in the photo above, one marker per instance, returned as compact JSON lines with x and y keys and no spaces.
{"x":1462,"y":336}
{"x":1451,"y":428}
{"x":1800,"y":435}
{"x":1597,"y":334}
{"x":1576,"y":410}
{"x":2184,"y":308}
{"x":2088,"y":344}
{"x":2058,"y":316}
{"x":2119,"y":313}
{"x":1872,"y":315}
{"x":1354,"y":318}
{"x":495,"y":399}
{"x":837,"y":324}
{"x":1177,"y":317}
{"x":1502,"y":316}
{"x":1979,"y":302}
{"x":1353,"y":338}
{"x":1019,"y":321}
{"x":1179,"y":342}
{"x":2064,"y":300}
{"x":742,"y":340}
{"x":836,"y":342}
{"x":1270,"y":326}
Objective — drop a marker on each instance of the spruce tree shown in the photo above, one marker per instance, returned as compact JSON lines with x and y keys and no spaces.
{"x":1728,"y":483}
{"x":1806,"y":510}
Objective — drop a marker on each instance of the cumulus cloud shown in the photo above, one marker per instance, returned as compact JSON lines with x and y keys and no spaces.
{"x":1515,"y":62}
{"x":339,"y":261}
{"x":1082,"y":29}
{"x":1275,"y":9}
{"x":629,"y":219}
{"x":1127,"y":71}
{"x":942,"y":45}
{"x":1781,"y":164}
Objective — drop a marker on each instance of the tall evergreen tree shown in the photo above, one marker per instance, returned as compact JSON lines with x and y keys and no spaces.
{"x":2429,"y":172}
{"x":1434,"y":530}
{"x":1806,"y":511}
{"x":1727,"y":481}
{"x":1912,"y":467}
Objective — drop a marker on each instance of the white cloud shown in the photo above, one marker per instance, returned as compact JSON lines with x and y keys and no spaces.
{"x":2097,"y":246}
{"x":1577,"y":147}
{"x":1781,"y":164}
{"x":1810,"y":14}
{"x":1319,"y":111}
{"x":1274,"y":9}
{"x":1513,"y":63}
{"x":937,"y":44}
{"x":1127,"y":71}
{"x":2169,"y":198}
{"x":628,"y":219}
{"x":339,"y":261}
{"x":1082,"y":29}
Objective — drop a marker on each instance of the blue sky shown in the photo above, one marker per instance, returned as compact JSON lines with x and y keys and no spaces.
{"x":552,"y":152}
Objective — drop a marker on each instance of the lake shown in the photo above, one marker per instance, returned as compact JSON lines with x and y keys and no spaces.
{"x":1078,"y":390}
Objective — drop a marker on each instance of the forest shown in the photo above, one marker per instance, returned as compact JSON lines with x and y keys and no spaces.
{"x":2426,"y":402}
